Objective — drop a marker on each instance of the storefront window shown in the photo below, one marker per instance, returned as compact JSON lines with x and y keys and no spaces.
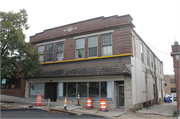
{"x":93,"y":89}
{"x":103,"y":89}
{"x":10,"y":83}
{"x":82,"y":89}
{"x":72,"y":89}
{"x":64,"y":89}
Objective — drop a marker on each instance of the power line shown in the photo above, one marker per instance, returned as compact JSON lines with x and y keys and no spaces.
{"x":160,"y":51}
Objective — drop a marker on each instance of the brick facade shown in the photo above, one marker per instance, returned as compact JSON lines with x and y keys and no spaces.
{"x":169,"y":85}
{"x":15,"y":92}
{"x":176,"y":63}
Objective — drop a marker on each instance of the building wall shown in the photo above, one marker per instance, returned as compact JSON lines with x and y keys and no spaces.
{"x":143,"y":75}
{"x":169,"y":85}
{"x":15,"y":92}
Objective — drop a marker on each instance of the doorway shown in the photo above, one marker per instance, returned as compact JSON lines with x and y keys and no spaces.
{"x":121,"y":95}
{"x":51,"y":91}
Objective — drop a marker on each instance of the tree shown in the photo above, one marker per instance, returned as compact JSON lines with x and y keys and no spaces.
{"x":17,"y":57}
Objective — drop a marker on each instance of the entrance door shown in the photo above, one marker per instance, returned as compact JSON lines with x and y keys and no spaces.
{"x":51,"y":91}
{"x":121,"y":95}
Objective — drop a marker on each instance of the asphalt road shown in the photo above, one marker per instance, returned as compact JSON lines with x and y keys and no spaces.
{"x":40,"y":114}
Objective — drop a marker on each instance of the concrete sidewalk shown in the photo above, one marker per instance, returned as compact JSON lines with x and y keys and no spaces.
{"x":165,"y":109}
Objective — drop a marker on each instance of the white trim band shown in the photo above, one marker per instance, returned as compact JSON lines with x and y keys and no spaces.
{"x":51,"y":42}
{"x":93,"y":34}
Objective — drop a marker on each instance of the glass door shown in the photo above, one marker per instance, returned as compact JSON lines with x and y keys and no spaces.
{"x":121,"y":95}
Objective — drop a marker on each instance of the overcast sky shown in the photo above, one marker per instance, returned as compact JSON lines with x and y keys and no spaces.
{"x":156,"y":21}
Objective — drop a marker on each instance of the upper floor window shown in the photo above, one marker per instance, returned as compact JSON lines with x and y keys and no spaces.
{"x":107,"y":44}
{"x":49,"y":52}
{"x":93,"y":46}
{"x":173,"y":90}
{"x":172,"y":81}
{"x":152,"y":60}
{"x":79,"y":48}
{"x":142,"y":52}
{"x":148,"y":57}
{"x":59,"y":51}
{"x":41,"y":51}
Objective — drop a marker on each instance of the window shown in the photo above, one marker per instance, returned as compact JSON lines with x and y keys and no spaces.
{"x":92,"y":46}
{"x":142,"y":52}
{"x":148,"y":57}
{"x":79,"y":49}
{"x":10,"y":83}
{"x":173,"y":90}
{"x":41,"y":51}
{"x":172,"y":81}
{"x":107,"y":44}
{"x":72,"y":89}
{"x":59,"y":51}
{"x":93,"y":89}
{"x":82,"y":89}
{"x":103,"y":89}
{"x":152,"y":60}
{"x":49,"y":52}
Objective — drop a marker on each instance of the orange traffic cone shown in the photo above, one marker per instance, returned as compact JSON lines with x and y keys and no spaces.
{"x":65,"y":103}
{"x":103,"y":105}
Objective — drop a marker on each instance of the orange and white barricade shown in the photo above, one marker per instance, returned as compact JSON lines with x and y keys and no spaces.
{"x":39,"y":99}
{"x":103,"y":105}
{"x":88,"y":103}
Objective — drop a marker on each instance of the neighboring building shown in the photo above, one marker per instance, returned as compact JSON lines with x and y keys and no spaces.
{"x":176,"y":64}
{"x":14,"y":87}
{"x":99,"y":58}
{"x":170,"y":84}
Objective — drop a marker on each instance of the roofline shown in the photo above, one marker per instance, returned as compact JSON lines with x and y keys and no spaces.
{"x":82,"y":21}
{"x":146,"y":45}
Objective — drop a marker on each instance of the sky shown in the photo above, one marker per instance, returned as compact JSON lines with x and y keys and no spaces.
{"x":157,"y":22}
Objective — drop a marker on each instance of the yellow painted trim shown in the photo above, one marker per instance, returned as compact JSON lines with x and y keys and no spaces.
{"x":87,"y":58}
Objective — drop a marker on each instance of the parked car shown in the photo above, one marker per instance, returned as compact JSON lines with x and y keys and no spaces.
{"x":171,"y":97}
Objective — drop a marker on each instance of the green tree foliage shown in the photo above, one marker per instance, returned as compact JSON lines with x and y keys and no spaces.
{"x":17,"y":57}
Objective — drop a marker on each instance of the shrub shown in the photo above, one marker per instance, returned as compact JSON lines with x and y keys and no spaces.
{"x":175,"y":113}
{"x":175,"y":99}
{"x":140,"y":108}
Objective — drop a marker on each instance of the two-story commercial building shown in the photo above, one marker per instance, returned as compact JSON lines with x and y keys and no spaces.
{"x":98,"y":58}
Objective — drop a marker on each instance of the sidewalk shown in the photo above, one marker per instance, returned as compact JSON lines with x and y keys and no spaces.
{"x":164,"y":109}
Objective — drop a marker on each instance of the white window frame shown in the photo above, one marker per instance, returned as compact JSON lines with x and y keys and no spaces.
{"x":42,"y":54}
{"x":79,"y":49}
{"x":142,"y":52}
{"x":91,"y":47}
{"x":62,"y":51}
{"x":52,"y":52}
{"x":108,"y":45}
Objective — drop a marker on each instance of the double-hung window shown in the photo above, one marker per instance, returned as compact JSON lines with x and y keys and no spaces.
{"x":49,"y":52}
{"x":142,"y":52}
{"x":41,"y":51}
{"x":93,"y":46}
{"x":148,"y":57}
{"x":79,"y":48}
{"x":106,"y":44}
{"x":59,"y":51}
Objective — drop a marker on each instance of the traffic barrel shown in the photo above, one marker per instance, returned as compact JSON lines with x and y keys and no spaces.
{"x":103,"y":105}
{"x":39,"y":99}
{"x":89,"y":103}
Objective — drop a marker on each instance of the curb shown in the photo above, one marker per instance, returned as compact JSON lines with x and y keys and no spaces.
{"x":18,"y":109}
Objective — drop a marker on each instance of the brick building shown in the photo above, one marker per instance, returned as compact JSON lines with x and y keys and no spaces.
{"x":176,"y":64}
{"x":170,"y":84}
{"x":99,"y":58}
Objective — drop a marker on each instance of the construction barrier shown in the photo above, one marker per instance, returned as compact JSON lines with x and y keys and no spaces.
{"x":65,"y":103}
{"x":39,"y":99}
{"x":88,"y":103}
{"x":103,"y":105}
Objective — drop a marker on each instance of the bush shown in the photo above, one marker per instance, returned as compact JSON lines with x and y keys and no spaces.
{"x":140,"y":108}
{"x":175,"y":113}
{"x":175,"y":99}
